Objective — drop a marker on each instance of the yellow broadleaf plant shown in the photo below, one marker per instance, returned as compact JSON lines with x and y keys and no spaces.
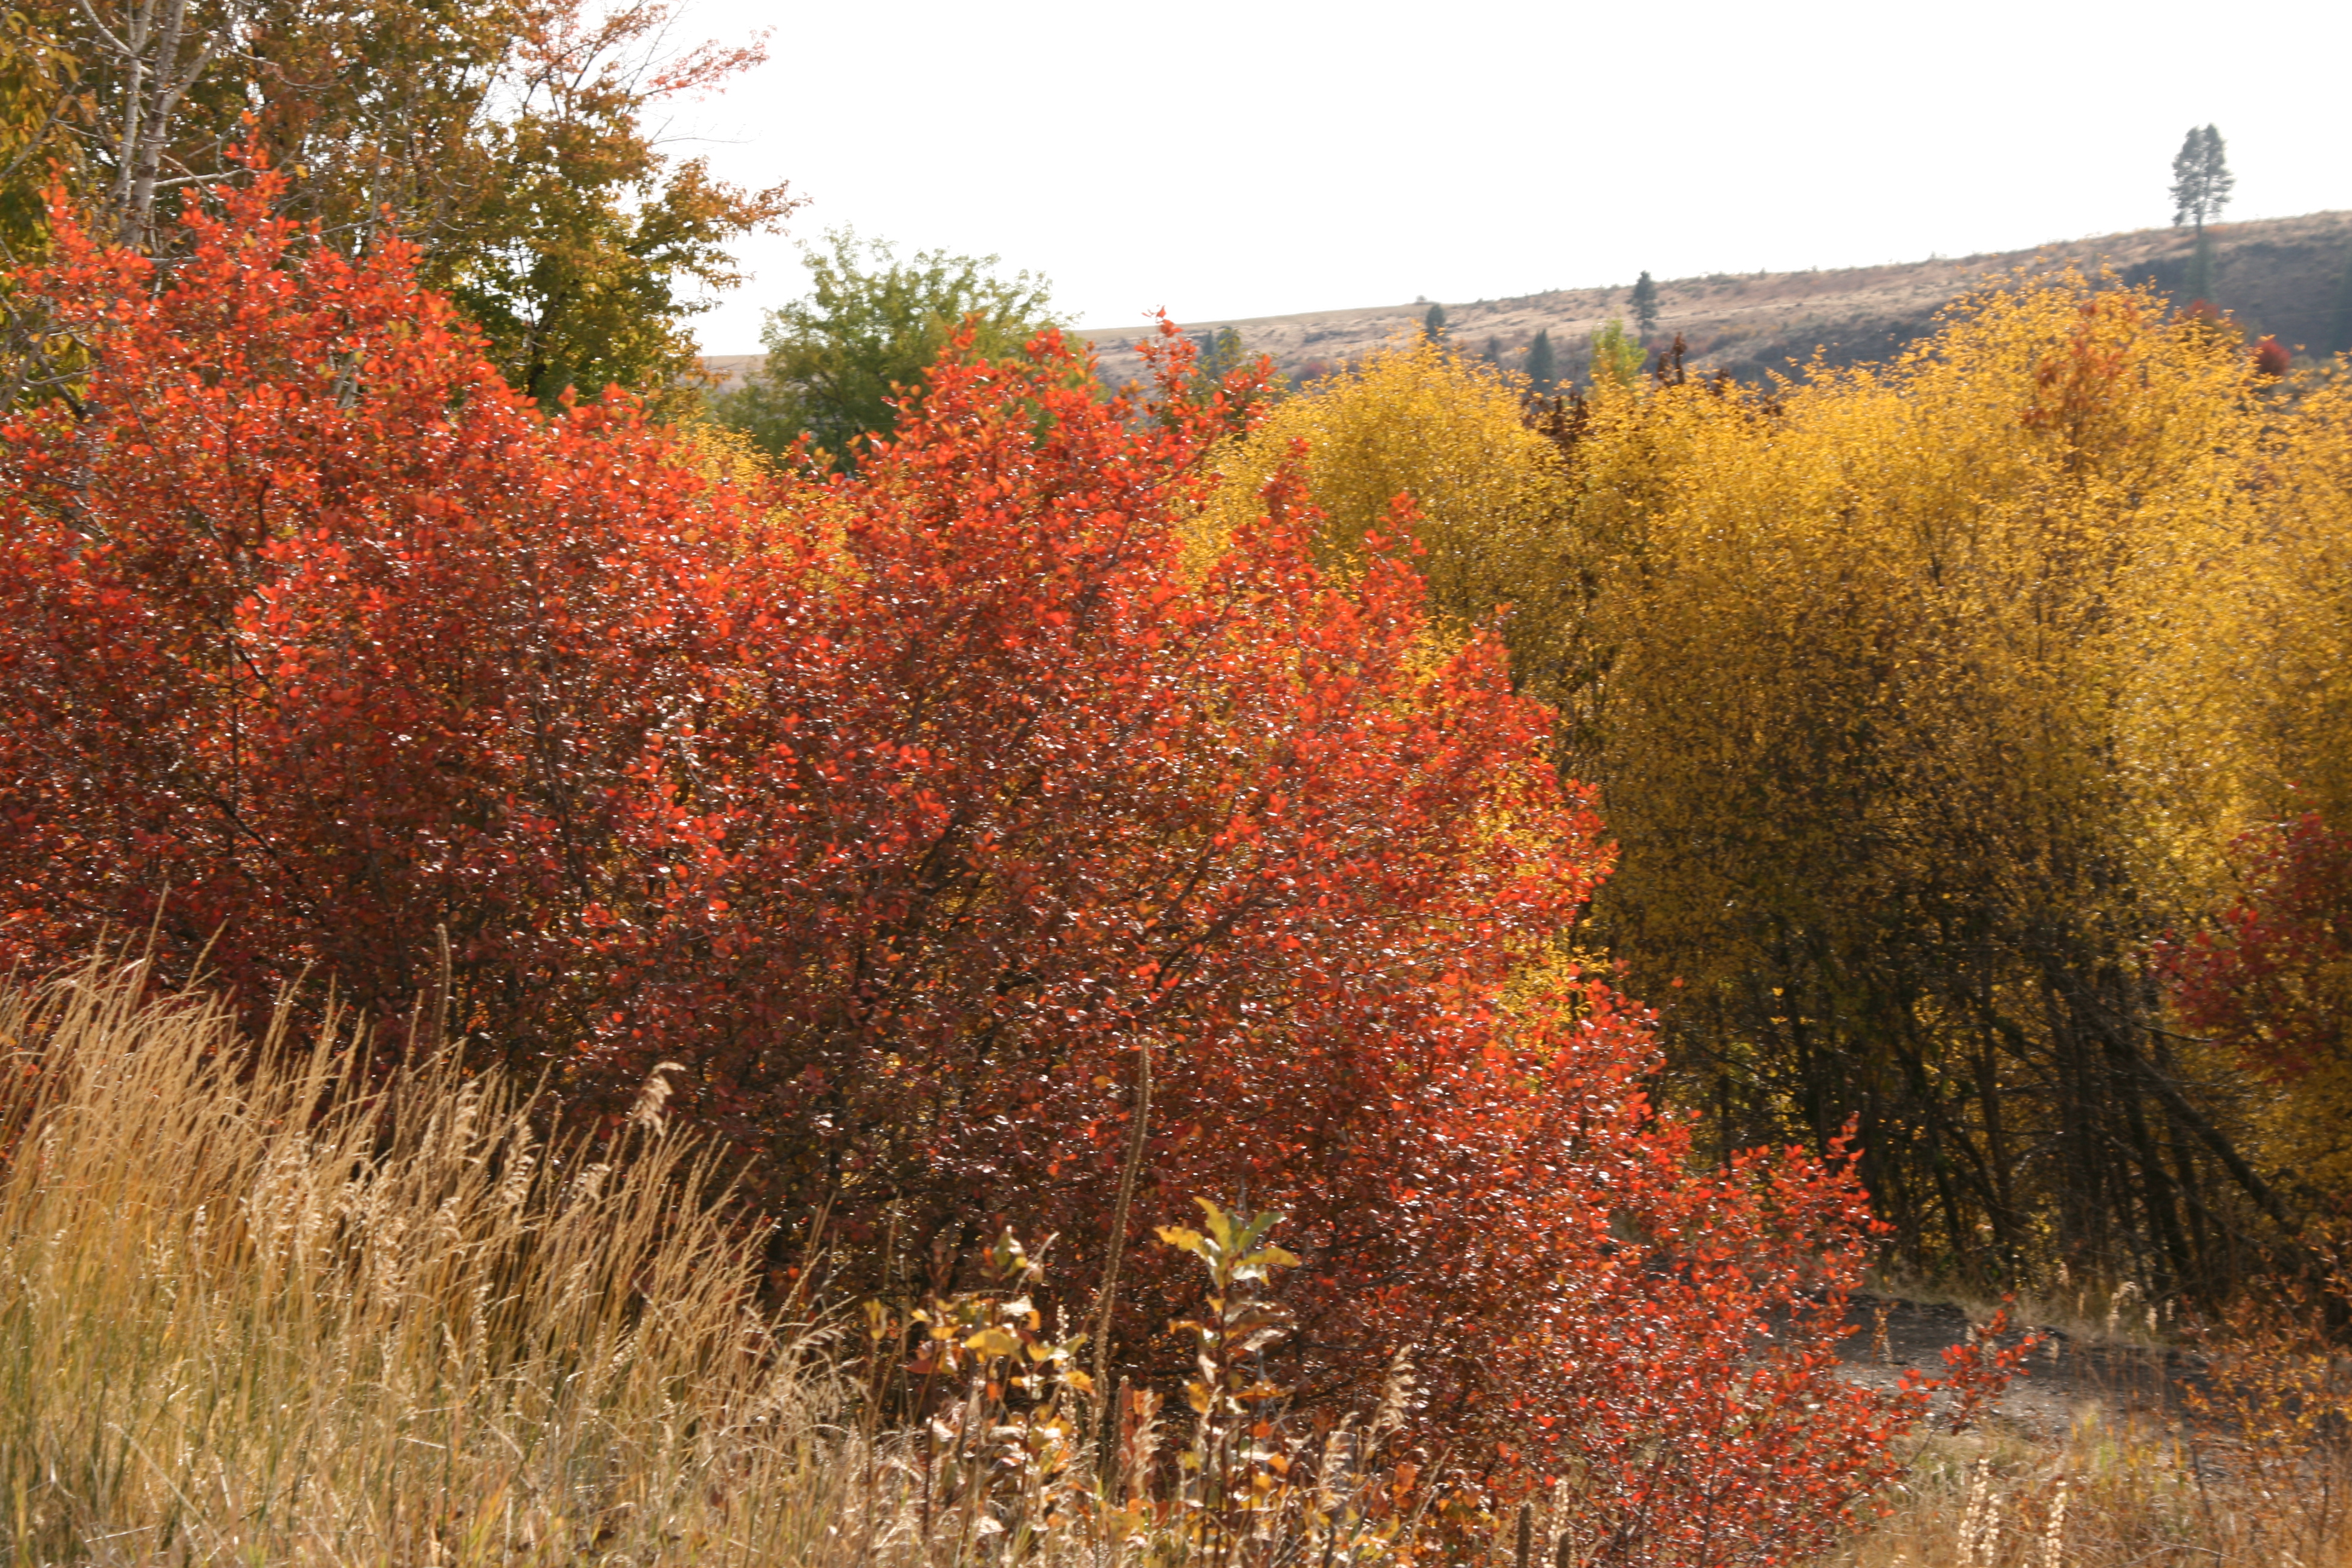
{"x":1886,"y":714}
{"x":2258,"y":679}
{"x":1417,"y":420}
{"x":1921,"y":697}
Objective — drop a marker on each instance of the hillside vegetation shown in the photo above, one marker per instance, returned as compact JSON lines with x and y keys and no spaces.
{"x":2280,"y":276}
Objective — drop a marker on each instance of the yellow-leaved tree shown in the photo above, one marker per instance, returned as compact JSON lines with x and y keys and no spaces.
{"x":1881,"y":710}
{"x":2260,"y":696}
{"x":1420,"y":422}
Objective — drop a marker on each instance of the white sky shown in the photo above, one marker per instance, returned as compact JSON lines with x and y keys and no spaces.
{"x":1233,"y":158}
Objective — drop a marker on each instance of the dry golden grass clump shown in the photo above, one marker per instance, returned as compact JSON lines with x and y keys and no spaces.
{"x":272,"y":1303}
{"x":2116,"y":1491}
{"x":2219,"y":1441}
{"x":264,"y":1304}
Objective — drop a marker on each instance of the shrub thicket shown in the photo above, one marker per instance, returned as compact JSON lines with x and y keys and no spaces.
{"x":1924,"y":703}
{"x":944,"y":834}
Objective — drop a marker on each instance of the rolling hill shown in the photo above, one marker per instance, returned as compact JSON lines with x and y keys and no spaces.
{"x":2288,"y":276}
{"x":2281,"y":276}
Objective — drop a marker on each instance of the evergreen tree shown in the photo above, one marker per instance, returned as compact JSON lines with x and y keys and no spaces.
{"x":1432,"y":326}
{"x":1645,"y":304}
{"x":1222,"y":352}
{"x":1224,"y":355}
{"x":2200,"y":179}
{"x":1542,"y":367}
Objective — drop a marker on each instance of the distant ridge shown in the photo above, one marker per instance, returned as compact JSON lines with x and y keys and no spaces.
{"x":2280,"y":275}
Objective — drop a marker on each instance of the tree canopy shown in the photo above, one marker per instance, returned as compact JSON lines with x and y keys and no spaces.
{"x":842,"y":357}
{"x":513,"y":142}
{"x":2200,"y":178}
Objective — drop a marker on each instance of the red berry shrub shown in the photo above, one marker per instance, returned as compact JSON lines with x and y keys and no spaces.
{"x":2272,"y":975}
{"x":905,"y":813}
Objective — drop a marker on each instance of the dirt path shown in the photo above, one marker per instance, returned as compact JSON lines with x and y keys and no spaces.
{"x":2064,"y":1375}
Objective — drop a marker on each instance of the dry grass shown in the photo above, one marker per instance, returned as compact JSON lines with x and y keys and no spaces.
{"x":2230,"y":1453}
{"x":259,"y":1303}
{"x":2114,"y":1493}
{"x":259,"y":1306}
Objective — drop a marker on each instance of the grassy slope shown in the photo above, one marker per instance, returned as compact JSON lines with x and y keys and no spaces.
{"x":2278,"y":276}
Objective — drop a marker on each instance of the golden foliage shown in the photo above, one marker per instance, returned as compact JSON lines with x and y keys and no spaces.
{"x":1920,"y":698}
{"x":2270,"y":662}
{"x":1885,"y":714}
{"x":2254,"y":685}
{"x":1418,"y":421}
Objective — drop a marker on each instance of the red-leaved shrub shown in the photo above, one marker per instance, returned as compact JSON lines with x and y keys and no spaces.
{"x":901,"y":819}
{"x":2272,"y":975}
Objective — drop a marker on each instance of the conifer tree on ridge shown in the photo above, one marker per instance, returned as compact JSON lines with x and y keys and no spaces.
{"x":1644,"y":303}
{"x":2200,"y":179}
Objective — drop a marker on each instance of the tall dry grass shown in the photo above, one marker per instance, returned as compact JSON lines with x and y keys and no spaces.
{"x":266,"y":1302}
{"x":2119,"y":1491}
{"x":2221,"y":1444}
{"x":260,"y":1303}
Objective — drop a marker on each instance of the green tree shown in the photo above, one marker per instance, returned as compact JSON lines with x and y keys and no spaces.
{"x":1616,"y":354}
{"x":868,"y":329}
{"x":512,"y":141}
{"x":1644,"y":302}
{"x":1542,"y":367}
{"x":1433,"y":325}
{"x":2200,"y":179}
{"x":1222,"y":354}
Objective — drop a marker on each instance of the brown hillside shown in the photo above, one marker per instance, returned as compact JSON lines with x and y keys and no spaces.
{"x":2279,"y":276}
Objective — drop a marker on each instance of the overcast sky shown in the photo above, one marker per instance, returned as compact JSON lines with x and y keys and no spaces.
{"x":1233,"y":158}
